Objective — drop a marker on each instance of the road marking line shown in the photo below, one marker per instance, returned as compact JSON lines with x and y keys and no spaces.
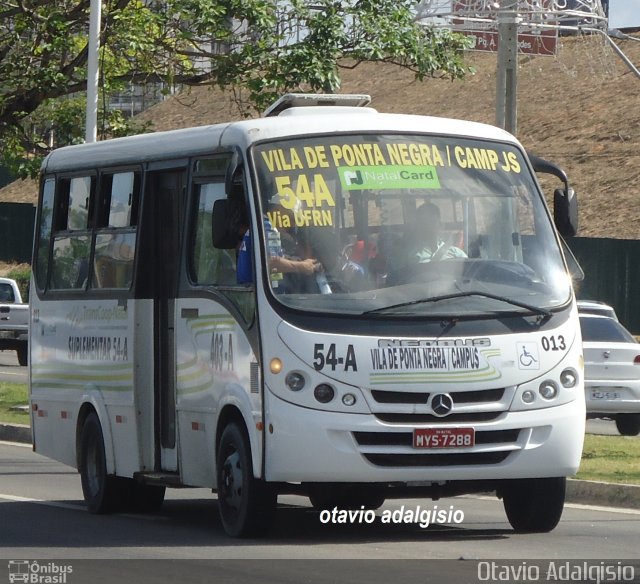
{"x":570,"y":505}
{"x":74,"y":507}
{"x":602,"y":508}
{"x":18,"y":499}
{"x":20,"y":444}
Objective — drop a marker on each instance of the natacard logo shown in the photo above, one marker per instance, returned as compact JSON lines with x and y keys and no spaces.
{"x":392,"y":177}
{"x":34,"y":572}
{"x":353,"y":177}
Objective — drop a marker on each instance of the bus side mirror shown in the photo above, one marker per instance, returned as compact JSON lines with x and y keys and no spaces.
{"x":565,"y":211}
{"x":227,"y":223}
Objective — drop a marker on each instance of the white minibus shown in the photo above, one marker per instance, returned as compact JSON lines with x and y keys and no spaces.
{"x":328,"y":301}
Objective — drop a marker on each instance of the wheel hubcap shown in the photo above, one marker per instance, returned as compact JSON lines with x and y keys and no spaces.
{"x":93,"y":473}
{"x":232,"y":481}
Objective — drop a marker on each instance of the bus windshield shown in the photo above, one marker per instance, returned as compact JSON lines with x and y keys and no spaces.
{"x":406,"y":225}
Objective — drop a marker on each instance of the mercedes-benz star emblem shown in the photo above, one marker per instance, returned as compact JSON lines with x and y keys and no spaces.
{"x":442,"y":404}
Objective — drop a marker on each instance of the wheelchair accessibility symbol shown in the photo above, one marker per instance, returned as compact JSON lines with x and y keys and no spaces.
{"x":528,"y":357}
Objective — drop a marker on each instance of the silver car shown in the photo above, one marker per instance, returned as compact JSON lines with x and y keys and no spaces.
{"x":612,"y":372}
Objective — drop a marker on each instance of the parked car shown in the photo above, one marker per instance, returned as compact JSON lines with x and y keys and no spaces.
{"x":14,"y":320}
{"x":612,"y":372}
{"x":596,"y":307}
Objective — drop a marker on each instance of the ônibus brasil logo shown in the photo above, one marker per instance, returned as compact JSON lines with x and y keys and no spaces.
{"x":34,"y":572}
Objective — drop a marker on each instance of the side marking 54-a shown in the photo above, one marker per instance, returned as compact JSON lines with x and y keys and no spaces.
{"x":329,"y":358}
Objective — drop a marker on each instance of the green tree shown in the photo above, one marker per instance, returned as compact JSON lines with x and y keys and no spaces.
{"x":258,"y":48}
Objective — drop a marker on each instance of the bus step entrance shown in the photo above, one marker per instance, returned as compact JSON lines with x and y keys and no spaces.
{"x":166,"y":479}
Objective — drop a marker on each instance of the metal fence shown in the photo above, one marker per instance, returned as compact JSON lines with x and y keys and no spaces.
{"x":16,"y":232}
{"x":612,"y":275}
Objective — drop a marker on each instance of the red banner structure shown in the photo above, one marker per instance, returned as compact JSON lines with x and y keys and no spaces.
{"x":532,"y":40}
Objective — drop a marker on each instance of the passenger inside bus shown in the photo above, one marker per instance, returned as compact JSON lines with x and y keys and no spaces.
{"x":361,"y":266}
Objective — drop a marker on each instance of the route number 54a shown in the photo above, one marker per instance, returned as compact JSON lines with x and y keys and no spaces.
{"x":328,"y":357}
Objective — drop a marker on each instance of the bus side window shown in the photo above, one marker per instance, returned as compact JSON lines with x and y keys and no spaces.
{"x":44,"y":233}
{"x":210,"y":266}
{"x":115,"y":243}
{"x":80,"y":203}
{"x":72,"y":239}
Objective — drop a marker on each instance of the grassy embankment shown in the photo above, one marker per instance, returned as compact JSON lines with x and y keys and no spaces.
{"x":605,"y":458}
{"x":613,"y":459}
{"x":12,"y":395}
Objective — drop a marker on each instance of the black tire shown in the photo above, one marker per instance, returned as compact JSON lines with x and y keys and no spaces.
{"x":23,"y":355}
{"x":628,"y":424}
{"x":102,"y":492}
{"x":346,"y":497}
{"x":247,"y":505}
{"x":534,"y":505}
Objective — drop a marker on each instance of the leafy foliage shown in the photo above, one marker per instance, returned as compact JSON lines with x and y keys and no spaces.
{"x":258,"y":48}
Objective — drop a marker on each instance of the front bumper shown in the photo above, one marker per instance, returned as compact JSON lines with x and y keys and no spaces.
{"x":314,"y":446}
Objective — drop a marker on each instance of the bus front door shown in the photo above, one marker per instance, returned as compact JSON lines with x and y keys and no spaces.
{"x":165,"y":194}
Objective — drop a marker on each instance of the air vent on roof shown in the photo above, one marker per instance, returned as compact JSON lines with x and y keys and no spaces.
{"x":315,"y":99}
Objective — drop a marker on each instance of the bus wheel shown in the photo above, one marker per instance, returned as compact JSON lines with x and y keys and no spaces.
{"x":534,"y":505}
{"x":247,"y":505}
{"x":101,"y":491}
{"x":347,"y":497}
{"x":628,"y":424}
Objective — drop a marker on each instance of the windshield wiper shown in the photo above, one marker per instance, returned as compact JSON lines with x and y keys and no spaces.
{"x":543,"y":312}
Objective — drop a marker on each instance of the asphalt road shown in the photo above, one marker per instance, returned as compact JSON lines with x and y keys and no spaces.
{"x":42,"y":517}
{"x":43,"y":525}
{"x":604,"y":427}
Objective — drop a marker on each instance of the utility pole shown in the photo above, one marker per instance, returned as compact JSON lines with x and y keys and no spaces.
{"x":93,"y":72}
{"x":507,"y":68}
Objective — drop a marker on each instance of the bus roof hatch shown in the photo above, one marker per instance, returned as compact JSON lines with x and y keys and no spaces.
{"x":315,"y":99}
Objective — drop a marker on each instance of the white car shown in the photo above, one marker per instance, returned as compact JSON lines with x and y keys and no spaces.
{"x":612,"y":372}
{"x":596,"y":307}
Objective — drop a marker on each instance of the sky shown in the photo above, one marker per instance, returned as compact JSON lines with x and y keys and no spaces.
{"x":624,"y":13}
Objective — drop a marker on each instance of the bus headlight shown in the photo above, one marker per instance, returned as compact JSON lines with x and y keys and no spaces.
{"x":294,"y":381}
{"x":569,"y":378}
{"x":324,"y":393}
{"x":548,"y":389}
{"x":275,"y":366}
{"x":348,"y":399}
{"x":528,"y":396}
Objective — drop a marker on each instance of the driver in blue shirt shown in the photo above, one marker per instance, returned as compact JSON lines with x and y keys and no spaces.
{"x":279,"y":264}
